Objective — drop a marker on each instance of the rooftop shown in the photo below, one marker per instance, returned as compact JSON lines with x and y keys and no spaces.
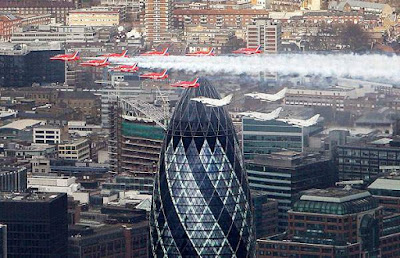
{"x":220,"y":12}
{"x":21,"y":124}
{"x":288,"y":159}
{"x":388,"y":183}
{"x":336,"y":201}
{"x":29,"y":197}
{"x":336,"y":195}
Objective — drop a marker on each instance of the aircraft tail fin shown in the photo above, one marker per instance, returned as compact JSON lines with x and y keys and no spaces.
{"x":124,"y":53}
{"x":165,"y":51}
{"x":77,"y":53}
{"x":281,"y":93}
{"x":313,"y":120}
{"x":228,"y":99}
{"x":276,"y":112}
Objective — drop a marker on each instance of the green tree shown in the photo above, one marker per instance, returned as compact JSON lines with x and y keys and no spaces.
{"x":354,"y":37}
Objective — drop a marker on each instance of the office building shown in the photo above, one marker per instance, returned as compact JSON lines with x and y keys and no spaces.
{"x":283,"y":175}
{"x":48,"y":134}
{"x":266,"y":33}
{"x":265,"y":214}
{"x":22,"y":66}
{"x":335,"y":223}
{"x":3,"y":241}
{"x":126,"y":183}
{"x":37,"y":224}
{"x":201,"y":200}
{"x":82,"y":128}
{"x":100,"y":241}
{"x":27,"y":152}
{"x":158,"y":21}
{"x":40,"y":164}
{"x":53,"y":184}
{"x":12,"y":179}
{"x":76,"y":149}
{"x":364,"y":158}
{"x":334,"y":98}
{"x":55,"y":33}
{"x":386,"y":190}
{"x":265,"y":137}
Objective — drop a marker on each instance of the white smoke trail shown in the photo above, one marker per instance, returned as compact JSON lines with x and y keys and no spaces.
{"x":367,"y":67}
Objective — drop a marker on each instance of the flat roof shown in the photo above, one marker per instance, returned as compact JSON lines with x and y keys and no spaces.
{"x":21,"y":124}
{"x":335,"y":195}
{"x":392,"y":183}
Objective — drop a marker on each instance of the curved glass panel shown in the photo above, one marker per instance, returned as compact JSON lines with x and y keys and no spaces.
{"x":201,"y":200}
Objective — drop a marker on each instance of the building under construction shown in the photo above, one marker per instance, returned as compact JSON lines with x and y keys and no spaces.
{"x":135,"y":141}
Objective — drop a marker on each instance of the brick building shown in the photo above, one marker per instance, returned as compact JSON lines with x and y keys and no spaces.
{"x":225,"y":18}
{"x":57,"y":9}
{"x":336,"y":223}
{"x":8,"y":24}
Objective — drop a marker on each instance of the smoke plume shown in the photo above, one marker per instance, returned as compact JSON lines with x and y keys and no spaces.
{"x":367,"y":67}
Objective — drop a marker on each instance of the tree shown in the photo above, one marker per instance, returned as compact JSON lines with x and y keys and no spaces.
{"x":354,"y":37}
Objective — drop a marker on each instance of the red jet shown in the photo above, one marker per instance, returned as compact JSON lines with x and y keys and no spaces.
{"x":126,"y":68}
{"x":248,"y":51}
{"x":123,"y":54}
{"x":202,"y":53}
{"x":66,"y":57}
{"x":96,"y":63}
{"x":164,"y":52}
{"x":155,"y":76}
{"x":184,"y":84}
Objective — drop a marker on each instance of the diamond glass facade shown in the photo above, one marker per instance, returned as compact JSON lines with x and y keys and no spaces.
{"x":201,"y":201}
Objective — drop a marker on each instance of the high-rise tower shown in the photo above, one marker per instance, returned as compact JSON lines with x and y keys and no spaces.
{"x":201,"y":201}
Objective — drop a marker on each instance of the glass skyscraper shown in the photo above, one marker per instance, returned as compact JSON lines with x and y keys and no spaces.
{"x":201,"y":200}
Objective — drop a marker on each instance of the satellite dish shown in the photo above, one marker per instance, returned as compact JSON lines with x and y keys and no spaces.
{"x":121,"y":28}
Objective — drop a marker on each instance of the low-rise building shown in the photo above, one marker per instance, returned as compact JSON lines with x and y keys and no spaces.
{"x":49,"y":134}
{"x":30,"y":151}
{"x":82,"y":128}
{"x":55,"y":33}
{"x":53,"y":184}
{"x":96,"y":17}
{"x":8,"y":24}
{"x":76,"y":149}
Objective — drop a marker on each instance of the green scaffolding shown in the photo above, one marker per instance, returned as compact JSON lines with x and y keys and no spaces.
{"x":142,"y":130}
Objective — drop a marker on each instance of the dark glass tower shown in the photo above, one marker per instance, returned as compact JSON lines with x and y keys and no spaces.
{"x":201,"y":201}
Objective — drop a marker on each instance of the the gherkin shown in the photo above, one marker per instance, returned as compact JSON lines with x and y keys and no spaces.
{"x":201,"y":201}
